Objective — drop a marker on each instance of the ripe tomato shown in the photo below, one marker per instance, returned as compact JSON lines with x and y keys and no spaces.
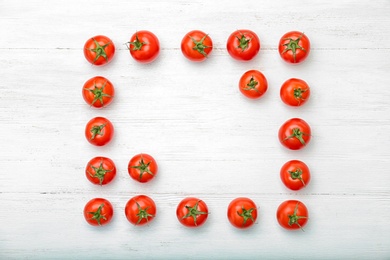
{"x":99,"y":50}
{"x":295,"y":134}
{"x":292,"y":214}
{"x":243,"y":45}
{"x":98,"y":212}
{"x":140,"y":210}
{"x":144,"y":46}
{"x":253,"y":84}
{"x":242,"y":212}
{"x":100,"y":170}
{"x":99,"y":131}
{"x":98,"y":92}
{"x":295,"y":174}
{"x":294,"y":47}
{"x":142,"y":167}
{"x":196,"y":46}
{"x":294,"y":92}
{"x":192,"y":212}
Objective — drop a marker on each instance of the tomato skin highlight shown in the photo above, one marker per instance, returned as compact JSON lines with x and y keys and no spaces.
{"x":142,"y":167}
{"x":294,"y":134}
{"x":98,"y":92}
{"x":294,"y":92}
{"x":144,"y":46}
{"x":242,"y":212}
{"x":140,"y":210}
{"x":292,"y":215}
{"x":99,"y":131}
{"x":243,"y":45}
{"x":253,"y":84}
{"x":99,"y":50}
{"x":295,"y":175}
{"x":98,"y":212}
{"x":192,"y":212}
{"x":196,"y":46}
{"x":294,"y":47}
{"x":100,"y":170}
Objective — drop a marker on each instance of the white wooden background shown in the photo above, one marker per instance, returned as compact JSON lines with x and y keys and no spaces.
{"x":209,"y":140}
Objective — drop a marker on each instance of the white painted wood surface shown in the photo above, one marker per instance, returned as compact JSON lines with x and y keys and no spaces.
{"x":208,"y":139}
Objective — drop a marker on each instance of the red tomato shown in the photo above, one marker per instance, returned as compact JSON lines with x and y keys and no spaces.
{"x":243,"y":45}
{"x":294,"y":47}
{"x":98,"y":92}
{"x":99,"y":131}
{"x":100,"y":170}
{"x":98,"y":212}
{"x":242,"y":212}
{"x":295,"y":134}
{"x":192,"y":212}
{"x":196,"y":46}
{"x":140,"y":210}
{"x":99,"y":50}
{"x":294,"y":92}
{"x":142,"y":167}
{"x":292,"y":214}
{"x":144,"y":46}
{"x":253,"y":84}
{"x":295,"y":174}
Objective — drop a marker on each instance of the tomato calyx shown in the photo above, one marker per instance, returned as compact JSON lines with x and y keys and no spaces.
{"x":298,"y":94}
{"x":293,"y":219}
{"x":199,"y":46}
{"x":293,"y":45}
{"x":99,"y":50}
{"x":297,"y":174}
{"x":98,"y":93}
{"x":97,"y":215}
{"x":194,"y":212}
{"x":252,"y":84}
{"x":297,"y":133}
{"x":142,"y":213}
{"x":99,"y":172}
{"x":246,"y":214}
{"x":243,"y":42}
{"x":143,"y":168}
{"x":137,"y":44}
{"x":97,"y":130}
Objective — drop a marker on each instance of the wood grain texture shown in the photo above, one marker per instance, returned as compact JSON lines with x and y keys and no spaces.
{"x":209,"y":140}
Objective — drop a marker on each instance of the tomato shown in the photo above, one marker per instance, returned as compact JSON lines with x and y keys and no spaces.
{"x":142,"y":167}
{"x":196,"y":45}
{"x":243,"y":45}
{"x":100,"y":170}
{"x":294,"y":47}
{"x":295,"y":134}
{"x":144,"y":46}
{"x":99,"y":131}
{"x":294,"y":92}
{"x":98,"y":92}
{"x":192,"y":212}
{"x":99,"y":50}
{"x":242,"y":212}
{"x":295,"y":174}
{"x":140,"y":210}
{"x":98,"y":212}
{"x":253,"y":84}
{"x":292,"y":214}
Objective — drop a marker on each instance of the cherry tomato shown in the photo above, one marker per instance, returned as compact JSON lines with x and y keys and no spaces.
{"x":99,"y":131}
{"x":295,"y":134}
{"x":98,"y":92}
{"x":292,"y":214}
{"x":100,"y":170}
{"x":144,"y":46}
{"x":142,"y":167}
{"x":253,"y":84}
{"x":294,"y":47}
{"x":294,"y":92}
{"x":295,"y":174}
{"x":99,"y":50}
{"x":242,"y":212}
{"x":196,"y":46}
{"x":243,"y":45}
{"x":192,"y":212}
{"x":140,"y":210}
{"x":98,"y":212}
